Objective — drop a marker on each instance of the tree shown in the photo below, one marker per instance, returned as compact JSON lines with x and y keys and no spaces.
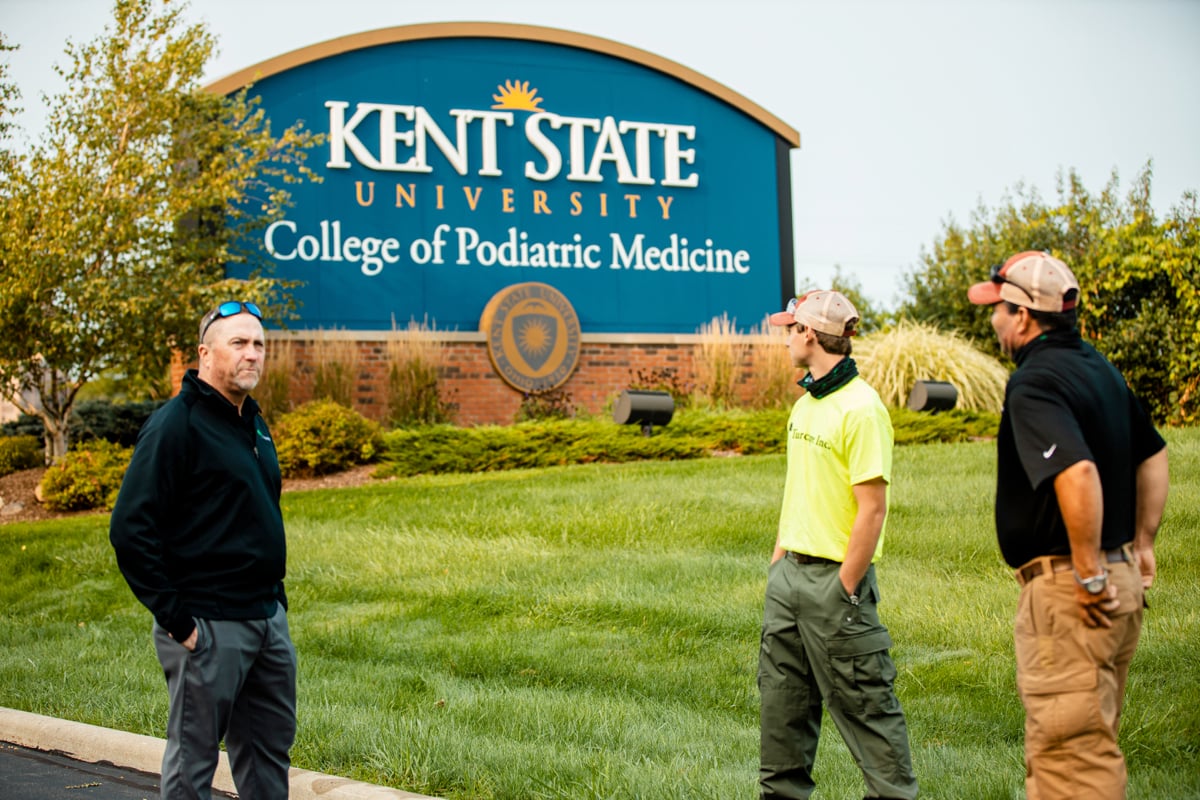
{"x":1138,"y":276}
{"x":9,"y":95}
{"x":117,"y":224}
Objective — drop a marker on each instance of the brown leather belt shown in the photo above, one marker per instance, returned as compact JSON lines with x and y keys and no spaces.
{"x":1039,"y":565}
{"x":804,"y":558}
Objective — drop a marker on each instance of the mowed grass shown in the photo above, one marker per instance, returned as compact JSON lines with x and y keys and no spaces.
{"x":592,"y":632}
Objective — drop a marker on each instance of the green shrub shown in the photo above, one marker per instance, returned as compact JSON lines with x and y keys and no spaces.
{"x":118,"y":423}
{"x":692,"y":433}
{"x":922,"y":427}
{"x":322,"y":436}
{"x":86,"y":478}
{"x":732,"y":431}
{"x":20,"y":452}
{"x":23,"y":425}
{"x":526,"y":445}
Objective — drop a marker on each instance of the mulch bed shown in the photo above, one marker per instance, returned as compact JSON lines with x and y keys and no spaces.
{"x":19,"y":504}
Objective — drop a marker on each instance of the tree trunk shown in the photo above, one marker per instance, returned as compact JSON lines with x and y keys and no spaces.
{"x":55,"y":438}
{"x":50,"y":399}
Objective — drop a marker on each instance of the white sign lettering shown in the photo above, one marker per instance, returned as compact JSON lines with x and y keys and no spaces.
{"x":464,"y":246}
{"x":406,"y":132}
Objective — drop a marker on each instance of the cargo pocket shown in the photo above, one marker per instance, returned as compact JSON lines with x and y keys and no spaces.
{"x":863,"y":673}
{"x":1053,"y":656}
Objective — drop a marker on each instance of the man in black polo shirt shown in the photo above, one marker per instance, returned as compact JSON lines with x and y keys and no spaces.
{"x":1082,"y":482}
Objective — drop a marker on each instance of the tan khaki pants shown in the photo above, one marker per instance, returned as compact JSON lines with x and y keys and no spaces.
{"x":1072,"y":684}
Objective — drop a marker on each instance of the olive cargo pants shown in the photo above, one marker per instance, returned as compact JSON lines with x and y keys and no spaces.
{"x":819,"y":647}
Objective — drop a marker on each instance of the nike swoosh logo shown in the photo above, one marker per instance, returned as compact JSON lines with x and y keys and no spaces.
{"x":1050,"y":452}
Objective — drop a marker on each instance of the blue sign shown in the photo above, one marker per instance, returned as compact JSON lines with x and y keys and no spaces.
{"x":462,"y":159}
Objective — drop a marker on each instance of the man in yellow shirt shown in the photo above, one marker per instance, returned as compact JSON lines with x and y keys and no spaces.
{"x":822,"y":642}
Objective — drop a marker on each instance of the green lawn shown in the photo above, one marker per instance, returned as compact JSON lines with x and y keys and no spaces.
{"x":592,"y":631}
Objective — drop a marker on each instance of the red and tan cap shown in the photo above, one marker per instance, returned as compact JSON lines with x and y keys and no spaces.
{"x":1032,"y":279}
{"x":825,"y":311}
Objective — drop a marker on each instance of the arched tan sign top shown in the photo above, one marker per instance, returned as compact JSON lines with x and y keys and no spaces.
{"x":498,"y":30}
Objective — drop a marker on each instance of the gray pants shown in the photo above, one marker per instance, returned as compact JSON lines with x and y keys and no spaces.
{"x":818,"y":647}
{"x":238,"y":684}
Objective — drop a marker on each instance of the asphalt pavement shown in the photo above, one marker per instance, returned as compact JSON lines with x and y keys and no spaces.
{"x":27,"y":774}
{"x":44,"y":758}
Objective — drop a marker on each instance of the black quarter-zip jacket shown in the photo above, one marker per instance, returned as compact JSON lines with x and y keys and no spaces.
{"x":197,"y":527}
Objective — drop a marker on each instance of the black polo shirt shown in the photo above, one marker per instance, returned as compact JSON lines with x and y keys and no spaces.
{"x":1065,"y":404}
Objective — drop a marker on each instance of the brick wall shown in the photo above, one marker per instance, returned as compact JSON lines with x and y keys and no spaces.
{"x":607,"y":365}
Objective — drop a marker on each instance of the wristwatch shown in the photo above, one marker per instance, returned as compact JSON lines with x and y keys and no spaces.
{"x":1095,"y":584}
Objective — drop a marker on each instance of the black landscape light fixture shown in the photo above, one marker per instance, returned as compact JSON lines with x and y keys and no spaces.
{"x":636,"y":407}
{"x":932,"y":396}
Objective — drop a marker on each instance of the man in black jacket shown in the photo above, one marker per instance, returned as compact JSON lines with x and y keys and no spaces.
{"x":199,"y":537}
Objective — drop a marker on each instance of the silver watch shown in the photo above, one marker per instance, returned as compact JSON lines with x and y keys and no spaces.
{"x":1095,"y":584}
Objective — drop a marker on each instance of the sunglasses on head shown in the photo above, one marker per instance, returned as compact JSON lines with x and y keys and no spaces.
{"x":998,"y":278}
{"x":791,"y":307}
{"x":228,"y":309}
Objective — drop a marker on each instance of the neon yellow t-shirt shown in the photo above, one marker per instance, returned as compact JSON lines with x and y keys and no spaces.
{"x":834,"y":442}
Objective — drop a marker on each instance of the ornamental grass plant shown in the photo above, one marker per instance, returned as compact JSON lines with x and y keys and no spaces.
{"x":772,"y":381}
{"x":719,"y":360}
{"x":414,"y":394}
{"x":894,"y":360}
{"x":592,"y":631}
{"x":274,"y":391}
{"x":335,"y":368}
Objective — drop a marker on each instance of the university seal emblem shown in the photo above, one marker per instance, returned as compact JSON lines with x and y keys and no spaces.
{"x":532,"y":336}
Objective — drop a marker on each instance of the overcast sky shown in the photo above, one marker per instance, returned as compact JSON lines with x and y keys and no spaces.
{"x":909,"y":112}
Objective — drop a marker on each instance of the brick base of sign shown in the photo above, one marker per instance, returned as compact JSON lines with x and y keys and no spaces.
{"x":608,"y":364}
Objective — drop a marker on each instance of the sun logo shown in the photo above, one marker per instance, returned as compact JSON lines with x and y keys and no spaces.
{"x":535,"y":336}
{"x":517,"y":95}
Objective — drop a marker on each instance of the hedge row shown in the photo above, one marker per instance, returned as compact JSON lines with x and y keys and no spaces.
{"x":323,"y":437}
{"x":691,"y":434}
